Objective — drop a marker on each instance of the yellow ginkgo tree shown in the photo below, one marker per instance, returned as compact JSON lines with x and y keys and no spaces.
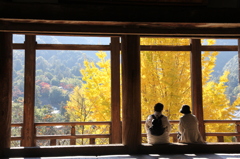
{"x":92,"y":101}
{"x":165,"y":78}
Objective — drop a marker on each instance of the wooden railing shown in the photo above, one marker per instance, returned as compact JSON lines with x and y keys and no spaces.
{"x":73,"y":136}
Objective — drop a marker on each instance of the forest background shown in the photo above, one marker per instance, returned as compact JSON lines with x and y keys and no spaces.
{"x":75,"y":85}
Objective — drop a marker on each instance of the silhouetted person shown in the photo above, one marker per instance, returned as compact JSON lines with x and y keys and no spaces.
{"x":188,"y":127}
{"x":163,"y":138}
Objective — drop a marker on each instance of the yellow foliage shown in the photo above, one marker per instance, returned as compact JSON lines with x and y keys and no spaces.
{"x":165,"y":78}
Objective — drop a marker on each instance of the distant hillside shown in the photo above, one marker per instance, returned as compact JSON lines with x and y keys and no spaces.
{"x":66,"y":40}
{"x":224,"y":56}
{"x":232,"y":67}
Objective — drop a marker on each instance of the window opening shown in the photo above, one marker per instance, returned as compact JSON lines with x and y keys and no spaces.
{"x":220,"y":82}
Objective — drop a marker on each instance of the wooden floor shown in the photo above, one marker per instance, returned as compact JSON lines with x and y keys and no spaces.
{"x":150,"y":156}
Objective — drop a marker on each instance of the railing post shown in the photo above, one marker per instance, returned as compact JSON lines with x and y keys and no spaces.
{"x":34,"y":136}
{"x":238,"y":130}
{"x":73,"y":133}
{"x":92,"y":141}
{"x":175,"y":139}
{"x":220,"y":138}
{"x":53,"y":142}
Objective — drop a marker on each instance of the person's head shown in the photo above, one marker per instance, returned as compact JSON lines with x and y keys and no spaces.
{"x":185,"y":109}
{"x":158,"y":107}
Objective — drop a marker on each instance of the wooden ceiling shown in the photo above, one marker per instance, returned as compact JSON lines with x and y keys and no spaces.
{"x":107,"y":17}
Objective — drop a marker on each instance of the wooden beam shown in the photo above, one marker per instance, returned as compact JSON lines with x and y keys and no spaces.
{"x":116,"y":29}
{"x":6,"y":61}
{"x":196,"y":83}
{"x":116,"y":127}
{"x":29,"y":91}
{"x":131,"y":93}
{"x":18,"y":46}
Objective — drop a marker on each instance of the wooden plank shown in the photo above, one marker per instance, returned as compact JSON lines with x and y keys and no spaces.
{"x":116,"y":125}
{"x":6,"y":63}
{"x":131,"y":94}
{"x":196,"y":83}
{"x":29,"y":91}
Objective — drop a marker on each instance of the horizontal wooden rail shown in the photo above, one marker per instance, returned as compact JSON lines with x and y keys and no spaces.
{"x":19,"y":46}
{"x":222,"y":134}
{"x":44,"y":137}
{"x":221,"y":121}
{"x":73,"y":123}
{"x":164,"y":48}
{"x":73,"y":136}
{"x":65,"y":47}
{"x":219,"y":48}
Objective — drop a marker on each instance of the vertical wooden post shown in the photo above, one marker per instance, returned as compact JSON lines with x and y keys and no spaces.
{"x":131,"y":95}
{"x":220,"y":138}
{"x":196,"y":83}
{"x":73,"y":133}
{"x":116,"y":135}
{"x":53,"y":142}
{"x":92,"y":141}
{"x":29,"y":91}
{"x":6,"y":90}
{"x":238,"y":130}
{"x":238,"y":61}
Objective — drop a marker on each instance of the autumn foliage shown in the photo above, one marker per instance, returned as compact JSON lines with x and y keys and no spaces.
{"x":165,"y":78}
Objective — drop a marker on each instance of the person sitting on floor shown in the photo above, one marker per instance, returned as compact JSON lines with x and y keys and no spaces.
{"x":162,"y":137}
{"x":188,"y":127}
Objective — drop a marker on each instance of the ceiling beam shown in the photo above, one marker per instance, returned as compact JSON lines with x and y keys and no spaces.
{"x":118,"y":12}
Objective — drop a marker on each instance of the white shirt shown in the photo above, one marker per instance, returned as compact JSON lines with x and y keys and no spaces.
{"x":164,"y":138}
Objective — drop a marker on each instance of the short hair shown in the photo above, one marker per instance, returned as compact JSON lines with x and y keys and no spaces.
{"x":158,"y":107}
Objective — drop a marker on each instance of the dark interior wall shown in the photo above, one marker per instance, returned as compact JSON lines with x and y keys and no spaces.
{"x":223,"y":3}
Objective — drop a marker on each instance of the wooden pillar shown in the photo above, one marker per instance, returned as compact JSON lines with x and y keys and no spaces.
{"x":6,"y":90}
{"x":196,"y":83}
{"x":131,"y":95}
{"x":29,"y":91}
{"x":116,"y":129}
{"x":238,"y":61}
